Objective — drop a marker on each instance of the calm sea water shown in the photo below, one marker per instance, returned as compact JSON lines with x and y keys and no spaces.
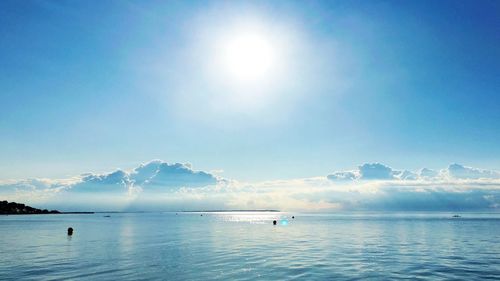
{"x":246,"y":246}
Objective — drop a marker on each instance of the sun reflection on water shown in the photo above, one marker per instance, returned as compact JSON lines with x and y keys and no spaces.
{"x":251,"y":217}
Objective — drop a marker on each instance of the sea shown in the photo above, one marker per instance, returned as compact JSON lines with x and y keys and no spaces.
{"x":247,"y":246}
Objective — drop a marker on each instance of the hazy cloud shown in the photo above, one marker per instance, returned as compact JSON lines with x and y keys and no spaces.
{"x":117,"y":181}
{"x":427,"y":173}
{"x":344,"y":176}
{"x":377,"y":171}
{"x":160,"y":174}
{"x":463,"y":172}
{"x":158,"y":185}
{"x":405,"y":175}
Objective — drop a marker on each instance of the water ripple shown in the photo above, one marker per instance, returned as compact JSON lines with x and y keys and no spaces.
{"x":246,"y":246}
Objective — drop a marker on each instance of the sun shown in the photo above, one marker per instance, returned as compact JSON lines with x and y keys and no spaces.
{"x":248,"y":56}
{"x":243,"y":65}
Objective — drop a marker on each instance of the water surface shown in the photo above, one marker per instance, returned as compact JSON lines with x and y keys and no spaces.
{"x":246,"y":246}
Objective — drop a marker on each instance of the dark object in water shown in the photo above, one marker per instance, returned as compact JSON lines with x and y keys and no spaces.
{"x":293,"y":217}
{"x":274,"y":222}
{"x":107,"y":216}
{"x":456,"y":216}
{"x":70,"y":231}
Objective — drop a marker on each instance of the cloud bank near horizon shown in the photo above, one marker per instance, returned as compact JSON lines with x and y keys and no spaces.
{"x":378,"y":171}
{"x":155,"y":175}
{"x":158,"y":185}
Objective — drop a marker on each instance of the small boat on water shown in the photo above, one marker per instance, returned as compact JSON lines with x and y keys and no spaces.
{"x":456,"y":216}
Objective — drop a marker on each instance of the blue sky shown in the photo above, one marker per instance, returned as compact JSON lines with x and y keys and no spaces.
{"x":97,"y":85}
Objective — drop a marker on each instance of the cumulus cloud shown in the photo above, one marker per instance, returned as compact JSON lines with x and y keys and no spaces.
{"x":108,"y":189}
{"x":378,"y":171}
{"x":375,"y":171}
{"x":323,"y":194}
{"x":463,"y":172}
{"x":117,"y":181}
{"x":405,"y":175}
{"x":158,"y":185}
{"x":427,"y":173}
{"x":343,"y":176}
{"x":150,"y":176}
{"x":161,"y":174}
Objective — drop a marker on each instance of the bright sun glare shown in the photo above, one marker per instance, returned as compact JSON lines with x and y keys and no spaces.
{"x":248,"y":57}
{"x":245,"y":64}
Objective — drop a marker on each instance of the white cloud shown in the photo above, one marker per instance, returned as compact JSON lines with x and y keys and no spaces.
{"x":157,"y":185}
{"x":160,"y":174}
{"x":427,"y":173}
{"x":151,"y":176}
{"x":373,"y":171}
{"x":405,"y":175}
{"x":377,"y":171}
{"x":463,"y":172}
{"x":117,"y":181}
{"x":347,"y":175}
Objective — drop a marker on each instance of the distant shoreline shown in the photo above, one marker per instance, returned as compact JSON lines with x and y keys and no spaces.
{"x":138,"y":212}
{"x":227,"y":211}
{"x":60,"y":213}
{"x":13,"y":208}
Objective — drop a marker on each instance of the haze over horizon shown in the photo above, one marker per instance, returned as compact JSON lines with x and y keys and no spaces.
{"x":161,"y":186}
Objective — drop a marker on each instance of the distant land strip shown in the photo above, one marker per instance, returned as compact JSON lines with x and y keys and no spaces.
{"x":227,"y":211}
{"x":13,"y":208}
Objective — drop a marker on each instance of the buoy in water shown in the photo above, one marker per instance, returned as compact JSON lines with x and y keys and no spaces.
{"x":70,"y":231}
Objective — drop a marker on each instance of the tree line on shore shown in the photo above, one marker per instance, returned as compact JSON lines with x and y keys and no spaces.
{"x":13,"y":208}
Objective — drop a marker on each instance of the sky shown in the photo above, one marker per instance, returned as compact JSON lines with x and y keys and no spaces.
{"x":253,"y":91}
